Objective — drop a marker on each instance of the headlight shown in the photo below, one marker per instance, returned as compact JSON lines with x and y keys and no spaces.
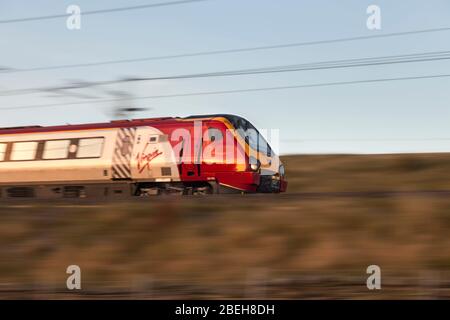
{"x":255,"y":164}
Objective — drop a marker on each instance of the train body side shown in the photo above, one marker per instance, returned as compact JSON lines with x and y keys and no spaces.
{"x":91,"y":169}
{"x":93,"y":156}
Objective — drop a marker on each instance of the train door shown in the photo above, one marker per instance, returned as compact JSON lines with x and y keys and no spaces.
{"x":186,"y":166}
{"x":189,"y":154}
{"x":121,"y":165}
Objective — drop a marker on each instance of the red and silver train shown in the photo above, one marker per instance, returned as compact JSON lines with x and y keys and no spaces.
{"x":194,"y":155}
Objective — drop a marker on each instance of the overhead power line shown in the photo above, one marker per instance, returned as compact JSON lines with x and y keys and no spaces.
{"x":236,"y":91}
{"x":349,"y":63}
{"x":362,"y":140}
{"x":225,"y":51}
{"x":101,"y":11}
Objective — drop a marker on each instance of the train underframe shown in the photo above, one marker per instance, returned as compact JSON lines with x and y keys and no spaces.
{"x":129,"y":189}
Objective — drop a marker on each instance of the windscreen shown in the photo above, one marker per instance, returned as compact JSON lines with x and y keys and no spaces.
{"x":251,"y":135}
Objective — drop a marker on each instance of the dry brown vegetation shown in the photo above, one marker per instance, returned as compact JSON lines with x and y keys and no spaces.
{"x":368,"y":172}
{"x":252,"y":246}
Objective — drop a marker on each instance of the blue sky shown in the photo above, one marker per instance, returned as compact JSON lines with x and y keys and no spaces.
{"x":406,"y":116}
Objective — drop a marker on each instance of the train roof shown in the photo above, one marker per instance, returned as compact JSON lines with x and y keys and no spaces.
{"x":113,"y":124}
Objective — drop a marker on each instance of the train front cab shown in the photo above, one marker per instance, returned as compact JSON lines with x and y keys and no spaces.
{"x":262,"y":170}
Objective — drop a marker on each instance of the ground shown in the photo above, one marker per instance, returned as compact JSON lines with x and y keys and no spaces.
{"x":342,"y":214}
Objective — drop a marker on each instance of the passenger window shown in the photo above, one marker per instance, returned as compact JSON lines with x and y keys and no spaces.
{"x":2,"y":151}
{"x":58,"y":149}
{"x":24,"y":151}
{"x":90,"y":148}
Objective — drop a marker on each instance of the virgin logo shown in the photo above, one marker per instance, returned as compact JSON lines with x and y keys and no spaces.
{"x":143,"y":158}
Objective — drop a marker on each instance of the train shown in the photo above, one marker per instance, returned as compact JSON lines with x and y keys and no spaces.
{"x":195,"y":155}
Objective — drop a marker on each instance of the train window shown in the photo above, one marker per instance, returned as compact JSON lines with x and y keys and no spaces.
{"x":24,"y":151}
{"x":2,"y":151}
{"x":252,"y":136}
{"x":58,"y":149}
{"x":90,"y":148}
